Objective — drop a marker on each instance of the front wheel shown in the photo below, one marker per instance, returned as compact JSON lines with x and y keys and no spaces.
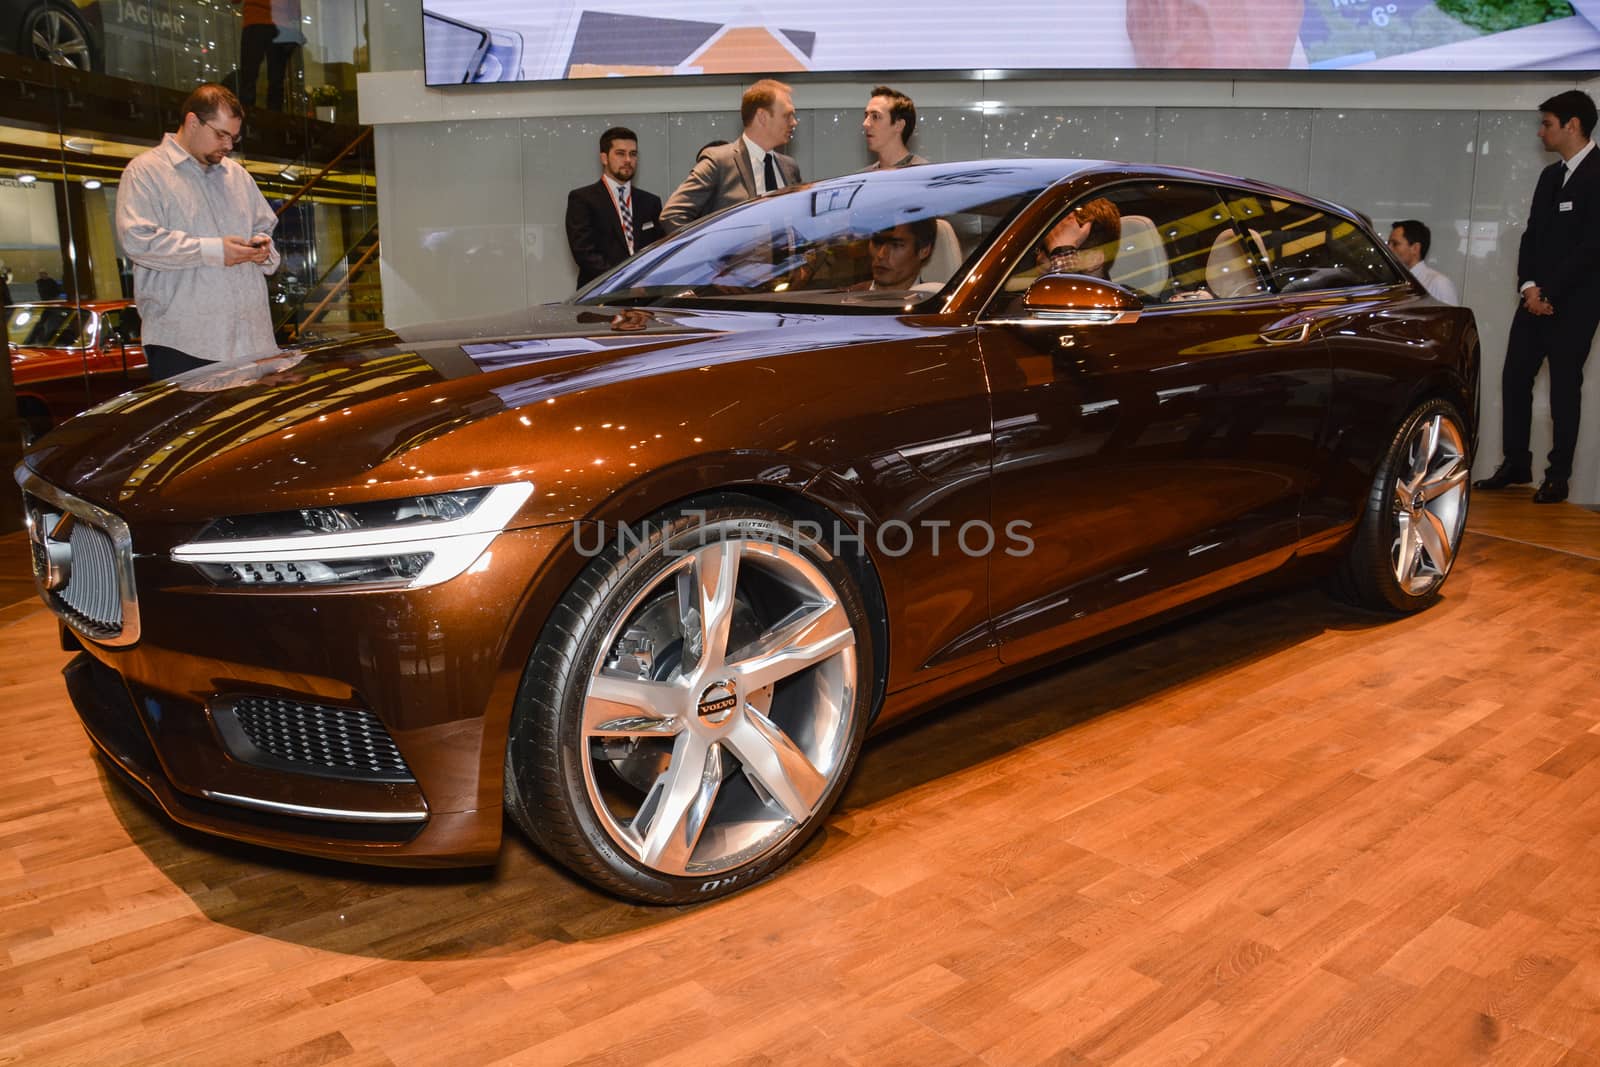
{"x":694,"y":706}
{"x":1407,"y":541}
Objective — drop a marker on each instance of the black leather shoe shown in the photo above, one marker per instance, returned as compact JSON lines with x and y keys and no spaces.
{"x":1505,"y":475}
{"x":1551,"y":491}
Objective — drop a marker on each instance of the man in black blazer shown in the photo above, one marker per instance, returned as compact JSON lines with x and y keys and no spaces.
{"x":733,"y":173}
{"x":596,"y":214}
{"x":1558,"y":275}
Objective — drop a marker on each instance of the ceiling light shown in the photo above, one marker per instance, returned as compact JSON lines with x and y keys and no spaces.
{"x":91,"y":183}
{"x":289,"y":174}
{"x":27,"y":179}
{"x":78,"y":144}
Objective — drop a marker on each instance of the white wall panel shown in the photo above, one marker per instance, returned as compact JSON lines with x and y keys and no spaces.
{"x":1124,"y":133}
{"x":1401,"y":165}
{"x":1270,"y":144}
{"x":450,"y":218}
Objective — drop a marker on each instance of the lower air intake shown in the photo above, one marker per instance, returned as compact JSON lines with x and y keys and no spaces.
{"x":316,"y":739}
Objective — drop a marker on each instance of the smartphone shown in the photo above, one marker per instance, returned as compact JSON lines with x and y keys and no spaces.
{"x":451,"y":51}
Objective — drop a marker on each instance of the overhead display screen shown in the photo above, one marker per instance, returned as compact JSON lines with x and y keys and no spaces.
{"x":517,"y":40}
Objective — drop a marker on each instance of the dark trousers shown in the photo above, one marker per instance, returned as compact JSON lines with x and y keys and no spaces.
{"x":168,"y":362}
{"x":1565,"y":345}
{"x":257,"y":43}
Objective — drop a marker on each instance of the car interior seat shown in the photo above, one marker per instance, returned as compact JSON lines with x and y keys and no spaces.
{"x":946,"y":257}
{"x":1229,"y":270}
{"x":1141,"y":261}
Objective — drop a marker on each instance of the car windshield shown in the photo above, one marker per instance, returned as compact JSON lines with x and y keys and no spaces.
{"x":880,"y":242}
{"x":45,"y":326}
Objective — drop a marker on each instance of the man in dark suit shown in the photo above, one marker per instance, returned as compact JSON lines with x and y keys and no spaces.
{"x":611,"y":220}
{"x":750,"y":167}
{"x":1558,"y":274}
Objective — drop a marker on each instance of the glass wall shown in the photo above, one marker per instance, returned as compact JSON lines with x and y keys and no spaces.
{"x":99,"y":82}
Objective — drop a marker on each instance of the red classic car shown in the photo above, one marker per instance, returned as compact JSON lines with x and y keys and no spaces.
{"x":66,"y":357}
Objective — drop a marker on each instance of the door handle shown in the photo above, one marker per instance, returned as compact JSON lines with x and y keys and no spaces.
{"x":1291,"y":335}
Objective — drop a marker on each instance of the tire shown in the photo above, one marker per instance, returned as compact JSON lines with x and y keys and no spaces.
{"x":55,"y":33}
{"x":666,"y":774}
{"x":1408,"y":538}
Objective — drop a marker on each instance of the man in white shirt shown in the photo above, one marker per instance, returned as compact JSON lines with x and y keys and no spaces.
{"x":199,"y":233}
{"x":1409,"y":241}
{"x":750,"y":167}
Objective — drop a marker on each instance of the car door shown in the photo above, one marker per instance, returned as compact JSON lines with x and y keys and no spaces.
{"x":1314,"y":253}
{"x":1158,"y":459}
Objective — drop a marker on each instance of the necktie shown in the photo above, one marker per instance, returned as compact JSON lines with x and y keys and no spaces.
{"x":625,"y":208}
{"x":770,"y":172}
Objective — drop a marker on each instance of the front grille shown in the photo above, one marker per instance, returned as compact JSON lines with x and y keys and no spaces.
{"x":82,"y":561}
{"x":91,"y":590}
{"x":312,"y":739}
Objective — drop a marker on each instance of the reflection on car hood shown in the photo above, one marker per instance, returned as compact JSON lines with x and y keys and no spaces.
{"x":310,"y":423}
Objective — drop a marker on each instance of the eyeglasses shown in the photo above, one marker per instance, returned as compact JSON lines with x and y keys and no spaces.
{"x":233,"y":139}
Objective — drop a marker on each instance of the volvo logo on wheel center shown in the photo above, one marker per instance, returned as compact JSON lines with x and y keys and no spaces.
{"x":718,"y":702}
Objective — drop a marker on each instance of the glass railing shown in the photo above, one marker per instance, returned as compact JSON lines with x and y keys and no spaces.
{"x":328,"y":236}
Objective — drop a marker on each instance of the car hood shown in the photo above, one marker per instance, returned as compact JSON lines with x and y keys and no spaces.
{"x":384,"y":419}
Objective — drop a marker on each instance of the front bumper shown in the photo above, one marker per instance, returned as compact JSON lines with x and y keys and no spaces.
{"x":437,"y":667}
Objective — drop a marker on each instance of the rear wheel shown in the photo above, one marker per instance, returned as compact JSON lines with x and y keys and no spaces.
{"x":694,"y":706}
{"x":1416,"y":512}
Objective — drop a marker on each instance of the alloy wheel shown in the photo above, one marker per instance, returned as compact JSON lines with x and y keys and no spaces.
{"x":57,"y":37}
{"x":721,"y":715}
{"x":1430,"y":504}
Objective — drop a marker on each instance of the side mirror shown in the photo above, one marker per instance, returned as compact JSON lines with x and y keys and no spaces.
{"x":1079,"y":300}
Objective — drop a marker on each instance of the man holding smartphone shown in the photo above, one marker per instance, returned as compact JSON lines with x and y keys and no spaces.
{"x":199,"y":234}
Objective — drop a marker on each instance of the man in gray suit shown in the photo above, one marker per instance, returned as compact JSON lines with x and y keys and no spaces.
{"x":731,"y":174}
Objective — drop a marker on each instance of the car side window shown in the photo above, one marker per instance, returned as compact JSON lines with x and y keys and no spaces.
{"x":1308,"y":248}
{"x":1163,"y":244}
{"x":119,"y":323}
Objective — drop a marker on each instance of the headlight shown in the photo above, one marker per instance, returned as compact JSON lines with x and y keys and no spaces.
{"x":411,"y":542}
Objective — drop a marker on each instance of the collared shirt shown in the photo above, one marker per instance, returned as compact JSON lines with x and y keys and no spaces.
{"x":1572,"y":164}
{"x":758,"y":165}
{"x":1439,"y":287}
{"x":172,"y":214}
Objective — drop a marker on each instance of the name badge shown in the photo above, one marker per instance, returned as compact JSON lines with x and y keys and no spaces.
{"x":1565,"y":205}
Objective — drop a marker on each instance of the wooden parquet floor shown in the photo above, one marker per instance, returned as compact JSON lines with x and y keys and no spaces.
{"x":1279,"y":832}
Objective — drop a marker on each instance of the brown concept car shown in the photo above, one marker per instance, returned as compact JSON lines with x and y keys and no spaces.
{"x":643,"y":569}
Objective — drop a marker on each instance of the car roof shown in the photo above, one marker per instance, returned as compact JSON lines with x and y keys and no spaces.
{"x":1020,"y":174}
